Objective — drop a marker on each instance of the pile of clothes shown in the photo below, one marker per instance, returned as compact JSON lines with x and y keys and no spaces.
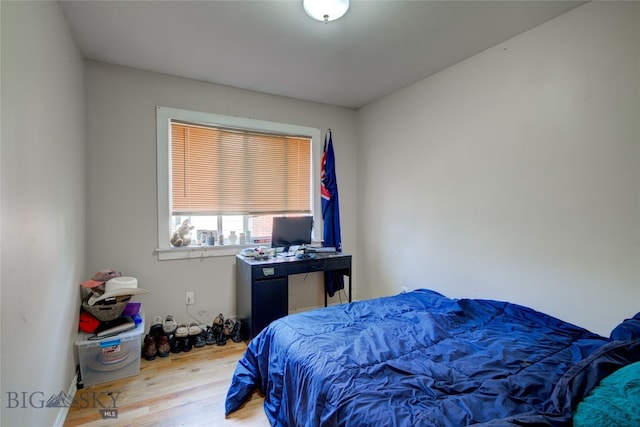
{"x":107,"y":299}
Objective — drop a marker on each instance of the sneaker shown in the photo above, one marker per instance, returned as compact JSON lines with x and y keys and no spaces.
{"x":200,"y":340}
{"x":169,"y":325}
{"x":219,"y":320}
{"x":209,"y":336}
{"x":236,"y":336}
{"x":227,"y":328}
{"x":221,"y":339}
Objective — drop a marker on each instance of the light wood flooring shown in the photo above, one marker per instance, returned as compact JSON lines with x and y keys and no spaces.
{"x":184,"y":389}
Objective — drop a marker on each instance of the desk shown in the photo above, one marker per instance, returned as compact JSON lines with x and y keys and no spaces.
{"x":262,"y":286}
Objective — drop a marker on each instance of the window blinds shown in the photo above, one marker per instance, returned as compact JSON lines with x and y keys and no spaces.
{"x":219,"y":171}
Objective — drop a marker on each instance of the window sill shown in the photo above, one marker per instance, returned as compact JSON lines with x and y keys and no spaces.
{"x":197,"y":252}
{"x":200,"y":252}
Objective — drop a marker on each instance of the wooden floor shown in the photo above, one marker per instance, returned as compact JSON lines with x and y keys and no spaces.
{"x":184,"y":389}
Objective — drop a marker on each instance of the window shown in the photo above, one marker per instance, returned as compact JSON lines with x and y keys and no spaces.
{"x":229,"y":176}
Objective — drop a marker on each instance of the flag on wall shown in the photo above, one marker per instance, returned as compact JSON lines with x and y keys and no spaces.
{"x":330,"y":212}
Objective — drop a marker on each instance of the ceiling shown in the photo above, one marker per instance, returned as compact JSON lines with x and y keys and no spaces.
{"x":273,"y":47}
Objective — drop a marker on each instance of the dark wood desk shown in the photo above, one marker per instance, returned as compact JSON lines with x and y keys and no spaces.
{"x":262,"y":287}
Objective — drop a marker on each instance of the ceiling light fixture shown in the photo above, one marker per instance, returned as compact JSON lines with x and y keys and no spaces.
{"x":325,"y":10}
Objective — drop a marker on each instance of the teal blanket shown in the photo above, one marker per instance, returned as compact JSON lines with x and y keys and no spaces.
{"x":614,"y":402}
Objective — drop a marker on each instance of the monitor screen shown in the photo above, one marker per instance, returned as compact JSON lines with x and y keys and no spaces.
{"x":291,"y":230}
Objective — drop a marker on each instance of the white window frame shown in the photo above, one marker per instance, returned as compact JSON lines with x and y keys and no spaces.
{"x":164,"y":115}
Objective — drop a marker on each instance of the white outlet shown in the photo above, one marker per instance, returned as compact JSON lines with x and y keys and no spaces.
{"x":405,"y":289}
{"x":191,"y":297}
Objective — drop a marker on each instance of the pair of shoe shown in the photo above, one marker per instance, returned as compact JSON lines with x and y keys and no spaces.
{"x":179,"y":341}
{"x":156,"y":342}
{"x":185,"y":337}
{"x":155,"y":346}
{"x":222,"y":330}
{"x":231,"y":329}
{"x":180,"y":344}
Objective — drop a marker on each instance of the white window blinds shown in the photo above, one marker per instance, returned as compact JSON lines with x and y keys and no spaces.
{"x":221,"y":171}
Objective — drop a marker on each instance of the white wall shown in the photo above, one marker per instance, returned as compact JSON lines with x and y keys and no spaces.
{"x":122,"y":229}
{"x":515,"y":174}
{"x":43,"y":208}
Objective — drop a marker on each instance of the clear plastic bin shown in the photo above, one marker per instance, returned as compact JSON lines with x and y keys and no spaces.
{"x":110,"y":358}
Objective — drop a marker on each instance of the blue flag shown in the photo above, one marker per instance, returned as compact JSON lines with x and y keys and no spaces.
{"x":330,"y":212}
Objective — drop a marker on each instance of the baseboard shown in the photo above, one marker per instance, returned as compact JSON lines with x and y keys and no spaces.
{"x":64,"y":410}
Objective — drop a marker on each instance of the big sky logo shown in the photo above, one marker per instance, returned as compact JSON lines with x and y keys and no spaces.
{"x":104,"y":402}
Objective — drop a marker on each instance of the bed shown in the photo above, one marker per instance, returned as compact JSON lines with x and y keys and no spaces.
{"x":422,"y":359}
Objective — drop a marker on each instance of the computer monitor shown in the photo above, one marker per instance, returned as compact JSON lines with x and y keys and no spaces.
{"x":291,"y":230}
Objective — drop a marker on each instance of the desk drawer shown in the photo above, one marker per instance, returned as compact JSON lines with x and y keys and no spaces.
{"x":268,"y":271}
{"x":320,"y":264}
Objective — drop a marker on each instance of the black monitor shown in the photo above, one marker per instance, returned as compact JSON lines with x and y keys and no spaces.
{"x":291,"y":230}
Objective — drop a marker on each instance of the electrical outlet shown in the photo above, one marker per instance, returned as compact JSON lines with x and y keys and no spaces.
{"x":191,"y":297}
{"x":405,"y":289}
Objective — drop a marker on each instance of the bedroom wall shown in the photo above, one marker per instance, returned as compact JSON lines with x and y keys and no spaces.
{"x":122,"y":203}
{"x":514,"y":175}
{"x":43,"y":209}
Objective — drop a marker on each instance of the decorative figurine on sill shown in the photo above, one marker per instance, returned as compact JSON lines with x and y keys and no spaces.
{"x":182,"y":236}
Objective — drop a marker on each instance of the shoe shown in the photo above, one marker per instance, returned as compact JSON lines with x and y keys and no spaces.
{"x":176,"y":344}
{"x":156,"y":331}
{"x":218,"y":336}
{"x":209,"y":336}
{"x":236,"y":336}
{"x":194,"y":329}
{"x":187,"y":345}
{"x":182,"y":331}
{"x":221,"y":339}
{"x":163,"y":346}
{"x":219,"y":320}
{"x":227,"y":328}
{"x":149,"y":349}
{"x":200,"y":340}
{"x":169,"y":325}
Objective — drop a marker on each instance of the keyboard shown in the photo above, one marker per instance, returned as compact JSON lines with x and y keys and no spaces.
{"x":328,"y":250}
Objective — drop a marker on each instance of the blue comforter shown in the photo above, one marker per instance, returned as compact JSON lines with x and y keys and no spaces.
{"x":421,"y":359}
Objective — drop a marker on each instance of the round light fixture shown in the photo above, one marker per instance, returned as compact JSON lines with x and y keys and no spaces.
{"x":325,"y":10}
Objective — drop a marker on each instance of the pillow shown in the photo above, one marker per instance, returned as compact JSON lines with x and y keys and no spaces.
{"x":613,"y":402}
{"x":629,"y":329}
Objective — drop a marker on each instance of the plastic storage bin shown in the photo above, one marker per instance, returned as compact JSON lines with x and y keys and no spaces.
{"x":110,"y":358}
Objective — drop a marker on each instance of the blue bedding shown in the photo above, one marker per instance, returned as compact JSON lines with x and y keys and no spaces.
{"x":421,"y":359}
